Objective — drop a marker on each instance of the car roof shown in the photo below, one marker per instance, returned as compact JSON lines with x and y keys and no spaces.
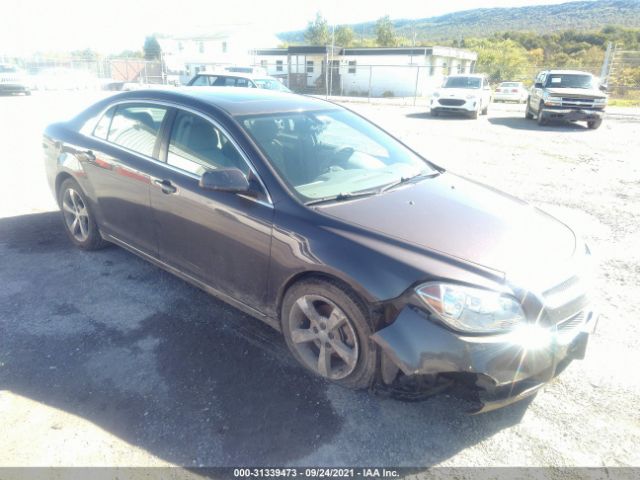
{"x":573,"y":72}
{"x":233,"y":101}
{"x":251,"y":76}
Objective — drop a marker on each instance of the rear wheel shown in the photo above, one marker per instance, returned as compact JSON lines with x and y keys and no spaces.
{"x":79,"y":221}
{"x":594,"y":124}
{"x":326,"y":330}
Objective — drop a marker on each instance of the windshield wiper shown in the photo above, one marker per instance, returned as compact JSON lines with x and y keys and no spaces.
{"x":342,"y":196}
{"x":404,"y":180}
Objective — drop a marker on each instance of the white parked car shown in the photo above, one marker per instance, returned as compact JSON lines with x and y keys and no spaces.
{"x":469,"y":94}
{"x":511,"y":92}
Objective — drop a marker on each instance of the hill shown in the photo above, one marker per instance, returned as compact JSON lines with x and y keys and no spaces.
{"x":484,"y":22}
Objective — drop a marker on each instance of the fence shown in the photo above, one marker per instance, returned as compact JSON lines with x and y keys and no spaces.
{"x":413,"y":84}
{"x":60,"y":73}
{"x":623,"y":74}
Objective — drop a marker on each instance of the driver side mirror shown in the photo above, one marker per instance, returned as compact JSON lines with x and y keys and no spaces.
{"x":603,"y":87}
{"x":230,"y":180}
{"x":537,"y":85}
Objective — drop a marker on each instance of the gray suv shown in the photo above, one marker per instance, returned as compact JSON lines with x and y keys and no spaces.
{"x":567,"y":95}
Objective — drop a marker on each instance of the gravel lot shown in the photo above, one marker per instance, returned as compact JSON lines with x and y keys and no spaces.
{"x":107,"y":360}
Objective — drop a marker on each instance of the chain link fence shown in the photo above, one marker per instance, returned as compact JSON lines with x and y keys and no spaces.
{"x":623,"y":76}
{"x":396,"y":84}
{"x":59,"y":73}
{"x":413,"y":84}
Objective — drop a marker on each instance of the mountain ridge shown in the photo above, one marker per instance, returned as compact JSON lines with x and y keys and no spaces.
{"x":484,"y":22}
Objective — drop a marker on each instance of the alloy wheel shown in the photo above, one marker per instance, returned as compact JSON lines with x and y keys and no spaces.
{"x":323,"y":336}
{"x":76,"y":215}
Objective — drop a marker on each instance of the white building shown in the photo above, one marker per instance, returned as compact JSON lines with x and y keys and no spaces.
{"x":228,"y":46}
{"x":365,"y":71}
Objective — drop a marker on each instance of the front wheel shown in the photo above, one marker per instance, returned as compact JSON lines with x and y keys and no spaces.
{"x":326,"y":330}
{"x":528,"y":114}
{"x":594,"y":124}
{"x":541,"y":119}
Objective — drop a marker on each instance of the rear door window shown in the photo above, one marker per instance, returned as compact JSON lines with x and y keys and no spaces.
{"x":136,"y":127}
{"x":204,"y":81}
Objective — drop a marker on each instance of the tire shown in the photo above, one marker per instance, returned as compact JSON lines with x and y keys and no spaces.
{"x":594,"y":124}
{"x":541,"y":120}
{"x":485,"y":110}
{"x":528,"y":114}
{"x":475,"y":113}
{"x":78,"y":218}
{"x":308,"y":309}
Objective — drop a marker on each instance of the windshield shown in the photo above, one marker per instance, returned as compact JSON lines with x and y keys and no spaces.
{"x":462,"y":82}
{"x":270,"y":84}
{"x":565,"y":80}
{"x":509,"y":84}
{"x":327,"y":154}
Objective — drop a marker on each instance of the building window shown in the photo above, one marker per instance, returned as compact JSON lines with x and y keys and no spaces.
{"x":263,"y":63}
{"x":278,"y":65}
{"x":309,"y":66}
{"x":201,"y":47}
{"x":224,"y":47}
{"x":352,"y":66}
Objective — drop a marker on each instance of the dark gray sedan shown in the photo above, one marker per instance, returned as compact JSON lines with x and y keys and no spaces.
{"x":379,"y":268}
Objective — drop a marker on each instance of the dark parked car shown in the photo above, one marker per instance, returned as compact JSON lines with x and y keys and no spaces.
{"x":378,"y":267}
{"x":13,"y":80}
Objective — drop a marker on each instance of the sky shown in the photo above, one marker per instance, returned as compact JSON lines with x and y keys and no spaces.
{"x":110,"y":26}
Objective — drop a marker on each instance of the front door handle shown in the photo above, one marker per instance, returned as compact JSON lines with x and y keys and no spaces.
{"x":86,"y":156}
{"x":166,"y":186}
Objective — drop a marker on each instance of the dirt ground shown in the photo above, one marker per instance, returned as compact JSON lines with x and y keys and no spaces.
{"x":107,"y":361}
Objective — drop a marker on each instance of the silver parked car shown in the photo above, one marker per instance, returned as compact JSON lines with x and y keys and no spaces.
{"x":511,"y":92}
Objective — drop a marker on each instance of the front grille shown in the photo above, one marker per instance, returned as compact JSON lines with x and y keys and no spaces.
{"x":571,"y":324}
{"x":451,"y":102}
{"x":564,"y":292}
{"x":577,"y":102}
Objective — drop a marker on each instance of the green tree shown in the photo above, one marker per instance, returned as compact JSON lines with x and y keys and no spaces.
{"x":343,"y":36}
{"x":385,"y":34}
{"x":317,"y":32}
{"x":152,"y":50}
{"x":500,"y":59}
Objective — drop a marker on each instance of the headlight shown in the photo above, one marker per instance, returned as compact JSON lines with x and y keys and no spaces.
{"x":600,"y":101}
{"x":550,"y":100}
{"x":472,"y":310}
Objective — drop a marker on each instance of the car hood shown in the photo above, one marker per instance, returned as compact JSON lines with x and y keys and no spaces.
{"x":465,"y":220}
{"x":577,"y":92}
{"x":458,"y":92}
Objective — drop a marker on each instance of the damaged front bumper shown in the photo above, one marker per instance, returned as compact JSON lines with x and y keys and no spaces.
{"x":572,"y":114}
{"x":505,"y":368}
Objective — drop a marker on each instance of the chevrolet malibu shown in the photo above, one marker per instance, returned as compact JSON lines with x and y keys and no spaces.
{"x":380,"y":269}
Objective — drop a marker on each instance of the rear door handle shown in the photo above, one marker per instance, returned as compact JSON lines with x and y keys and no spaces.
{"x":166,"y":186}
